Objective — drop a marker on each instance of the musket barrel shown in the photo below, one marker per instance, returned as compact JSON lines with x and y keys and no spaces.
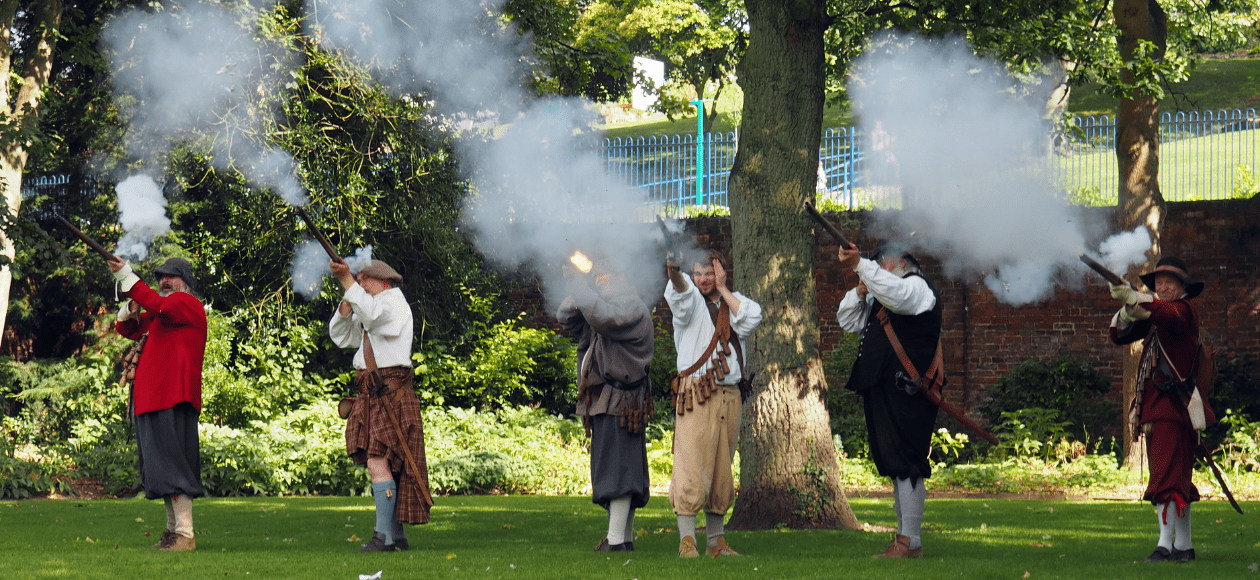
{"x":1111,"y":277}
{"x":86,"y":239}
{"x":319,"y":236}
{"x":809,"y":207}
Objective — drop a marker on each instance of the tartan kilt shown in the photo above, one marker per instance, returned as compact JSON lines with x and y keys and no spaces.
{"x":370,"y":432}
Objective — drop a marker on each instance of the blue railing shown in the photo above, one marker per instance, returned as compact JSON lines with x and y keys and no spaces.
{"x":1201,"y":157}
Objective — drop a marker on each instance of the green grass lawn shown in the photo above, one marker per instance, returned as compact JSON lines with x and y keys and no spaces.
{"x":500,"y":537}
{"x":1215,"y":84}
{"x":1192,"y":168}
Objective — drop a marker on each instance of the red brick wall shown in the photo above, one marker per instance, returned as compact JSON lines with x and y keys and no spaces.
{"x":985,"y":339}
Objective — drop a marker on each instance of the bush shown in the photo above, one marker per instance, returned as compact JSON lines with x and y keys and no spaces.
{"x":1070,"y":388}
{"x":302,"y":452}
{"x":548,"y":454}
{"x":497,"y":364}
{"x":848,"y":420}
{"x":107,"y":452}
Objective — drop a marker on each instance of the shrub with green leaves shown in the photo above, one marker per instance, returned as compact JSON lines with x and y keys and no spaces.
{"x":848,"y":420}
{"x":1072,"y":388}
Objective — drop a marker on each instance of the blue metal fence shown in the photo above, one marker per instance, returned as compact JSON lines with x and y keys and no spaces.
{"x":1202,"y":155}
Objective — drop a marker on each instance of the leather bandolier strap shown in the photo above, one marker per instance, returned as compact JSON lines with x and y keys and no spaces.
{"x":685,"y":399}
{"x":934,"y":377}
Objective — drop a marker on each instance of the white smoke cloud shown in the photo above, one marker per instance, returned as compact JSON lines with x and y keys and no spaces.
{"x":952,"y":131}
{"x":361,"y":259}
{"x":1123,"y":250}
{"x":142,"y":213}
{"x":310,"y":265}
{"x":188,"y":66}
{"x":539,"y":186}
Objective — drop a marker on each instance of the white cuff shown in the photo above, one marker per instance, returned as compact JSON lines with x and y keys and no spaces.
{"x":126,"y":277}
{"x":124,"y":313}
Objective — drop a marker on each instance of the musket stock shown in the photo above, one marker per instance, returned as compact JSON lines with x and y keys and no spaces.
{"x":809,"y":207}
{"x":86,"y":239}
{"x":319,"y":236}
{"x":1111,"y":277}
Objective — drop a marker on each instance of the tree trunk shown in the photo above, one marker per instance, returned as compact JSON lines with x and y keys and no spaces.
{"x":1137,"y":151}
{"x":789,"y":472}
{"x":19,"y":115}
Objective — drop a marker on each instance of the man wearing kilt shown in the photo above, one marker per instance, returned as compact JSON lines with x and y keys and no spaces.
{"x":1168,"y":326}
{"x":613,"y":328}
{"x":385,"y":429}
{"x":166,"y":389}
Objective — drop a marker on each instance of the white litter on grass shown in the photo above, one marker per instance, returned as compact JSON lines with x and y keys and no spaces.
{"x":375,"y":576}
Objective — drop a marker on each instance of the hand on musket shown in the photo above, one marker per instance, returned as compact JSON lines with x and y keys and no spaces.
{"x":850,"y":256}
{"x":341,"y":270}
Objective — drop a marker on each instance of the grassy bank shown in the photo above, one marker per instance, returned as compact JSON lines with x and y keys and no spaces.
{"x":551,"y":537}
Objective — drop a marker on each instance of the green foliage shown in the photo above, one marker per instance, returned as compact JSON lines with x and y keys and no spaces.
{"x":1090,"y":197}
{"x":302,"y":452}
{"x":848,"y":420}
{"x":497,"y":363}
{"x":511,"y":450}
{"x":260,"y":375}
{"x":1240,"y":451}
{"x":1064,"y":388}
{"x":106,"y":452}
{"x":1246,"y":185}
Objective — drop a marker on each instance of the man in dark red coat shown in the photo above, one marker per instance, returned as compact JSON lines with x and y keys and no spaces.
{"x":166,"y":393}
{"x":1168,"y":326}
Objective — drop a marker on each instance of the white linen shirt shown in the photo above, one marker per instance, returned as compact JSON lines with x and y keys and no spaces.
{"x":693,"y":328}
{"x":909,"y":296}
{"x":387,"y":319}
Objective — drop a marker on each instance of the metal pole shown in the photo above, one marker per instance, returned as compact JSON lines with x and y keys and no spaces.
{"x":699,"y":151}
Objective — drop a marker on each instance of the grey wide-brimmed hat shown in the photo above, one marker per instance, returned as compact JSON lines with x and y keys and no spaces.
{"x":178,"y":267}
{"x":381,"y":271}
{"x":1175,"y":267}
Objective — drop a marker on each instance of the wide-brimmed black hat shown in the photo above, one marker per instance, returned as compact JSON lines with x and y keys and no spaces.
{"x":1175,"y":267}
{"x":178,"y":267}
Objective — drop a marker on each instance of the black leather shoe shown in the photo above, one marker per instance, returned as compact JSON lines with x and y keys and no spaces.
{"x":377,"y":544}
{"x":604,"y":546}
{"x":1182,"y":555}
{"x":1161,"y":554}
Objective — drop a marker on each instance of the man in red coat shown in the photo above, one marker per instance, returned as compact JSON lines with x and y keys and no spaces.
{"x":166,"y":393}
{"x":1168,"y":326}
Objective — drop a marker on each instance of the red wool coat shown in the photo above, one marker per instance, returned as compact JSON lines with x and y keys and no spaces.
{"x":169,"y":372}
{"x":1177,"y":324}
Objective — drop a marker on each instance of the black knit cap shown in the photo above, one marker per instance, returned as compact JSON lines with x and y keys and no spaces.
{"x":1175,"y":267}
{"x":178,"y":267}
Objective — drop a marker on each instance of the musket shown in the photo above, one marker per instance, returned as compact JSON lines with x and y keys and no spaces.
{"x":1207,"y":457}
{"x":319,"y":236}
{"x":1111,"y":277}
{"x":809,"y":207}
{"x":671,"y":245}
{"x":86,"y":239}
{"x":935,"y":397}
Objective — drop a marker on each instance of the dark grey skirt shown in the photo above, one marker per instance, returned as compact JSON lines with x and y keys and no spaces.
{"x":618,"y":463}
{"x":170,"y":452}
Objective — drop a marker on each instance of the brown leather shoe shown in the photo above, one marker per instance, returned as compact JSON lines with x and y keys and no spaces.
{"x":900,"y":548}
{"x":720,"y":548}
{"x":168,"y":538}
{"x":687,"y":548}
{"x":377,"y":544}
{"x":181,"y":544}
